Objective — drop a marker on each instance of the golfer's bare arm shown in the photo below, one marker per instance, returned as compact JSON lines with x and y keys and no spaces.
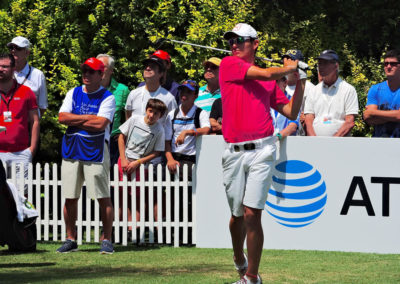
{"x":272,"y":73}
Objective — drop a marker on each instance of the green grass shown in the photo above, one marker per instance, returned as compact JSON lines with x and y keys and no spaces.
{"x":164,"y":264}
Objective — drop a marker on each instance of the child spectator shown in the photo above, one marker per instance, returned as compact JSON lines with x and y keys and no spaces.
{"x":142,"y":139}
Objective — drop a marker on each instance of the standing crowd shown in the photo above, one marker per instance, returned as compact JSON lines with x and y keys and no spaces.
{"x":159,"y":121}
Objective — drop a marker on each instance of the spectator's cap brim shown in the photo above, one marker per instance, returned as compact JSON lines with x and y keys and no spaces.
{"x":156,"y":60}
{"x":20,"y":41}
{"x":190,"y":84}
{"x":241,"y":29}
{"x":329,"y":55}
{"x":213,"y":60}
{"x":94,"y":64}
{"x":294,"y":54}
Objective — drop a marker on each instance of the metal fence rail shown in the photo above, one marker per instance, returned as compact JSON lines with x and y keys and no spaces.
{"x":172,"y":223}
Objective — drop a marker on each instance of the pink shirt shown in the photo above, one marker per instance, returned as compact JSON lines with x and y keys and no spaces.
{"x":246,"y":103}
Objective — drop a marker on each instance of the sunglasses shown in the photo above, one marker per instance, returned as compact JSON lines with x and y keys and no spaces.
{"x":88,"y":70}
{"x":14,"y":47}
{"x":211,"y":66}
{"x":394,"y":64}
{"x":239,"y":40}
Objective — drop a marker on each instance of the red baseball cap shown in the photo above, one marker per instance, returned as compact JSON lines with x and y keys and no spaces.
{"x":162,"y":55}
{"x":94,"y":64}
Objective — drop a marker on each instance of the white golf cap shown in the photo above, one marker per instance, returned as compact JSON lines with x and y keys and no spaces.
{"x":20,"y":41}
{"x":241,"y":29}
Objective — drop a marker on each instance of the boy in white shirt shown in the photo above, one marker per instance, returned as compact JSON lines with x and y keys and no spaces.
{"x":141,"y":140}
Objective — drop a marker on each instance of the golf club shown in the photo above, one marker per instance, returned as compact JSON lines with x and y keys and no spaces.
{"x":159,"y":42}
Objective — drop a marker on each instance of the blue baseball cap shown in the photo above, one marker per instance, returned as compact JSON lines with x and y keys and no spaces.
{"x":329,"y":54}
{"x":190,"y":84}
{"x":294,"y":54}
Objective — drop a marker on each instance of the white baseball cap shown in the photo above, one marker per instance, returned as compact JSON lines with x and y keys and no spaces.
{"x":241,"y":29}
{"x":20,"y":41}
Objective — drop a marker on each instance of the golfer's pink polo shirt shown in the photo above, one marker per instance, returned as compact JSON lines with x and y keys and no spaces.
{"x":246,"y":103}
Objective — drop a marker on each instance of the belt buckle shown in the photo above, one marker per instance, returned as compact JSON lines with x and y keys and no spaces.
{"x":236,"y":148}
{"x":249,"y":146}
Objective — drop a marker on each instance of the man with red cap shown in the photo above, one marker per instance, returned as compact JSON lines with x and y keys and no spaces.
{"x":167,"y":82}
{"x":87,"y":111}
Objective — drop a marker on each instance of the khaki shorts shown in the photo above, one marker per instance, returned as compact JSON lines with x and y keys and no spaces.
{"x":247,"y":173}
{"x":96,"y":176}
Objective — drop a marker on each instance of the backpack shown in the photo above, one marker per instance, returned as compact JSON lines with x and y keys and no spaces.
{"x":18,"y":236}
{"x":196,"y":118}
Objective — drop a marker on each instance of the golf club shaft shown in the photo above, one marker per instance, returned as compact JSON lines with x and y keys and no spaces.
{"x":219,"y":49}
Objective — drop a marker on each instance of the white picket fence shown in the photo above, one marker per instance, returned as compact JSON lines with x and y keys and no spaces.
{"x":176,"y":210}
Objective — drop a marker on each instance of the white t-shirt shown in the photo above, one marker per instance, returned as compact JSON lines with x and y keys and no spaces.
{"x":142,"y":138}
{"x":189,"y":145}
{"x":106,"y":110}
{"x":307,"y":90}
{"x":330,"y":105}
{"x":36,"y":81}
{"x":139,"y":97}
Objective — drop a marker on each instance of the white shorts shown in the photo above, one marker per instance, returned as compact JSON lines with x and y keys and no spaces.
{"x":96,"y":176}
{"x":247,"y":173}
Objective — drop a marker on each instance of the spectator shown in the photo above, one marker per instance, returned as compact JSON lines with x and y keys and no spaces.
{"x":26,"y":74}
{"x":331,"y":108}
{"x":120,"y":92}
{"x":283,"y":126}
{"x":141,"y":141}
{"x":182,"y":127}
{"x":292,"y":79}
{"x":168,"y":83}
{"x":216,"y":117}
{"x":19,"y":142}
{"x":250,"y":151}
{"x":87,"y":111}
{"x":153,"y":75}
{"x":210,"y":92}
{"x":382,"y":110}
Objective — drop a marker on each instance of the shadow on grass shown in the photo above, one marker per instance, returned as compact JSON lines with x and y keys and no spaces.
{"x":98,"y":272}
{"x":18,"y":265}
{"x":8,"y":252}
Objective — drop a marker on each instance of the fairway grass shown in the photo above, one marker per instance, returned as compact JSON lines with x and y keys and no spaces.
{"x":164,"y":264}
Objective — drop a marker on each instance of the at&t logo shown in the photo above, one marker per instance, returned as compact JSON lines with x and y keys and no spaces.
{"x":297,"y":196}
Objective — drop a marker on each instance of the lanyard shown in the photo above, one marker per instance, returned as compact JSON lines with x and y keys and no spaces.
{"x":12,"y":91}
{"x":27,"y":75}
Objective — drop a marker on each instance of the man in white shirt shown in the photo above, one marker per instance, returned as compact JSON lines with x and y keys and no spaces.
{"x":153,"y":75}
{"x":330,"y":110}
{"x":28,"y":75}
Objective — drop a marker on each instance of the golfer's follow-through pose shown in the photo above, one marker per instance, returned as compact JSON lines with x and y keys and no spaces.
{"x":248,"y":92}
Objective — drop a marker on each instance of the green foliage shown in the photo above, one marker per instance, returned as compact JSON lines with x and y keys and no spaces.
{"x":66,"y":32}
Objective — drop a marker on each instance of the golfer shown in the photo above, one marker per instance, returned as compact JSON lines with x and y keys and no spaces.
{"x":248,"y":92}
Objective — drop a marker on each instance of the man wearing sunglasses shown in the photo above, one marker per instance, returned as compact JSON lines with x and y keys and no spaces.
{"x":210,"y":92}
{"x":247,"y":93}
{"x":382,"y":110}
{"x":87,"y":111}
{"x":330,"y":110}
{"x":26,"y":74}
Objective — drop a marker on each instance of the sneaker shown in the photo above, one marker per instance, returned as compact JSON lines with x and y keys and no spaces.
{"x":106,"y":247}
{"x":245,"y":280}
{"x":68,"y":246}
{"x":242,"y":269}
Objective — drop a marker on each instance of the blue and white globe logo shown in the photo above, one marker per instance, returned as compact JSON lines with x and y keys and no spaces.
{"x":298,"y":194}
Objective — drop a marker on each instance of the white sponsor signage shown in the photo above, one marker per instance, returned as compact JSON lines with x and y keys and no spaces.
{"x":338,"y":194}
